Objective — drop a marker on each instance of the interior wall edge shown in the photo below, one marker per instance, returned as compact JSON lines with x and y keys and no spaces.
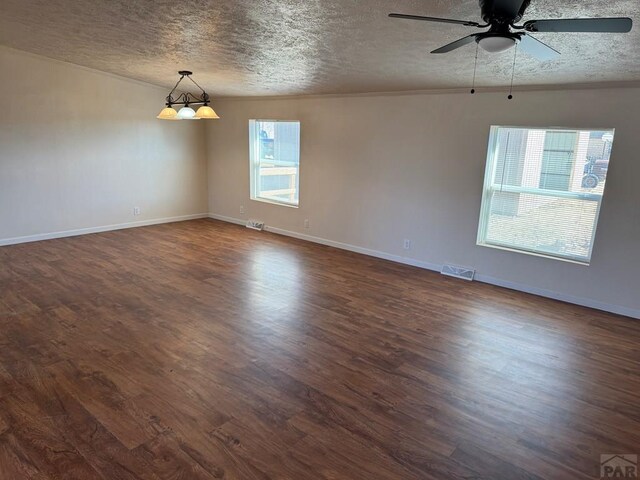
{"x":115,"y":76}
{"x":98,"y":229}
{"x":551,"y":87}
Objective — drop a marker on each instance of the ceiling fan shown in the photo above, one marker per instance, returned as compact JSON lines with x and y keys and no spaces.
{"x":501,"y":17}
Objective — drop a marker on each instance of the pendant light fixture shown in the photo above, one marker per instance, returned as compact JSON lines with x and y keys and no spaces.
{"x":187,"y":99}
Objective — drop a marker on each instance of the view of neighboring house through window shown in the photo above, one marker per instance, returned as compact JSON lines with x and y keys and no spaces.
{"x":543,"y":189}
{"x":274,"y":147}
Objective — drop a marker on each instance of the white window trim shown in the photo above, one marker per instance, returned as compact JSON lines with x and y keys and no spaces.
{"x":489,"y":187}
{"x":254,"y":167}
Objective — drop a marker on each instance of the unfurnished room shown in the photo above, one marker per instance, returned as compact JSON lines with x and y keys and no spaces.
{"x":319,"y":240}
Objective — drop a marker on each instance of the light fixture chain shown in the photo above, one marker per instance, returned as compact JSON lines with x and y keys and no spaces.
{"x":513,"y":71}
{"x":475,"y":65}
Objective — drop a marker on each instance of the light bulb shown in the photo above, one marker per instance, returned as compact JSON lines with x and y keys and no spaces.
{"x":186,"y":113}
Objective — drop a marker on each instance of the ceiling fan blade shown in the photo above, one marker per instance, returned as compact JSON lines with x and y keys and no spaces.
{"x":434,"y":19}
{"x":604,"y":25}
{"x":536,"y":48}
{"x":457,"y":44}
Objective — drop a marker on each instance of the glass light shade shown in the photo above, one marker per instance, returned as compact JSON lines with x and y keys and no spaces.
{"x":206,"y":112}
{"x":496,"y":43}
{"x":186,"y":113}
{"x":168,"y":113}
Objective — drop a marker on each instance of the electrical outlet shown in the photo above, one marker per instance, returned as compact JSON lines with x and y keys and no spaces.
{"x":136,"y":210}
{"x":241,"y":209}
{"x":406,"y":244}
{"x":306,"y":223}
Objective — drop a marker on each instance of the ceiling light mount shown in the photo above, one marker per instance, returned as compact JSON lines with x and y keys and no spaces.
{"x":187,"y":99}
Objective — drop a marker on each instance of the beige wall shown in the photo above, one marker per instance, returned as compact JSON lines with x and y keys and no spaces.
{"x":83,"y":163}
{"x":377,"y":169}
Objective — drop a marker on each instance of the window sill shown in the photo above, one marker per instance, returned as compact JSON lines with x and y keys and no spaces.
{"x":575,"y":261}
{"x":275,"y":202}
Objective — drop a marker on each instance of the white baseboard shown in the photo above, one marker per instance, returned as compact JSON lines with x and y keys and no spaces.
{"x":354,"y":248}
{"x":105,"y":228}
{"x":585,"y":302}
{"x":542,"y":292}
{"x":237,"y":221}
{"x":332,"y":243}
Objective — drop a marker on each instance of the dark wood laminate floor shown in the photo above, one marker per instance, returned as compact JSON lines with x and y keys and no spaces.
{"x":203,"y":350}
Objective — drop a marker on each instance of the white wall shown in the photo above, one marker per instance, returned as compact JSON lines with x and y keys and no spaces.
{"x":376,"y":169}
{"x":79,"y":149}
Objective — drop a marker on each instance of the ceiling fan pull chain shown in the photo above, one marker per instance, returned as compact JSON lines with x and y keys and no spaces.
{"x":513,"y":71}
{"x":475,"y":65}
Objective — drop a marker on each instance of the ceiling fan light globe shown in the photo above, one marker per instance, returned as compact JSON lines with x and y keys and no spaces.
{"x":495,"y":43}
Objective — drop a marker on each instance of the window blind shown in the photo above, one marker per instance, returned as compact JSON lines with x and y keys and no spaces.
{"x":543,"y":189}
{"x":275,"y":161}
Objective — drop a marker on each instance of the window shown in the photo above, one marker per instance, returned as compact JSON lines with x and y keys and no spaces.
{"x":542,"y":190}
{"x":274,"y":148}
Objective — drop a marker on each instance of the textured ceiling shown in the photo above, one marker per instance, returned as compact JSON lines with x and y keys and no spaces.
{"x":283,"y":47}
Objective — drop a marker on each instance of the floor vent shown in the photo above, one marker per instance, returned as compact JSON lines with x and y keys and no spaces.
{"x":459,"y":272}
{"x":255,"y":224}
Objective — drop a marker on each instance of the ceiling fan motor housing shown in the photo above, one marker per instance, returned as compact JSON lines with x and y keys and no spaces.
{"x":502,"y":11}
